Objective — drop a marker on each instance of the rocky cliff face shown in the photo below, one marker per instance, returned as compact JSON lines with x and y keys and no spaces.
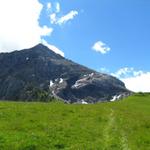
{"x":38,"y":74}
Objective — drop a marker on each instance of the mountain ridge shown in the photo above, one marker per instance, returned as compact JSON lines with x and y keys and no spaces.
{"x":38,"y":73}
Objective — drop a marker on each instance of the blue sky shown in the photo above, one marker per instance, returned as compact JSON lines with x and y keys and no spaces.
{"x":122,"y":25}
{"x":111,"y":36}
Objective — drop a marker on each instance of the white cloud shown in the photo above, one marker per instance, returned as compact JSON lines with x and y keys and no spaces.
{"x":53,"y":18}
{"x":101,"y":47}
{"x":46,"y":31}
{"x":19,"y":24}
{"x":67,"y":17}
{"x":53,"y":48}
{"x":53,"y":7}
{"x":57,"y":7}
{"x":135,"y":80}
{"x":62,"y":20}
{"x":104,"y":70}
{"x":140,"y":83}
{"x":55,"y":15}
{"x":49,"y":6}
{"x":127,"y":72}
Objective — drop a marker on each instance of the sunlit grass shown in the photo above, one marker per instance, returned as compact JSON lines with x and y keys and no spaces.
{"x":121,"y":125}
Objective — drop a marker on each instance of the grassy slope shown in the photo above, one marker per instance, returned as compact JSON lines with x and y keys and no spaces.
{"x":122,"y":125}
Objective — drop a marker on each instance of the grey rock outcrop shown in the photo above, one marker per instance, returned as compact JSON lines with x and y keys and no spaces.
{"x":38,"y":74}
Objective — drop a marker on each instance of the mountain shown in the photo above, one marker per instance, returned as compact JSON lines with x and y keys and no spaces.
{"x":38,"y":74}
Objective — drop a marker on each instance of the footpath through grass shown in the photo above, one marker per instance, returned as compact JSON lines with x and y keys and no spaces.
{"x":122,"y":125}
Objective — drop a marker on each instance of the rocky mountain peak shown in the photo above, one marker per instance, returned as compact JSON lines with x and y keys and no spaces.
{"x":39,"y":73}
{"x":42,"y":50}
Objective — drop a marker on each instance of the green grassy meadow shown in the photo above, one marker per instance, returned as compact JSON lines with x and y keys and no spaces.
{"x":120,"y":125}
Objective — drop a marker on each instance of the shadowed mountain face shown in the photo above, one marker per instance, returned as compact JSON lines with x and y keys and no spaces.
{"x":38,"y":74}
